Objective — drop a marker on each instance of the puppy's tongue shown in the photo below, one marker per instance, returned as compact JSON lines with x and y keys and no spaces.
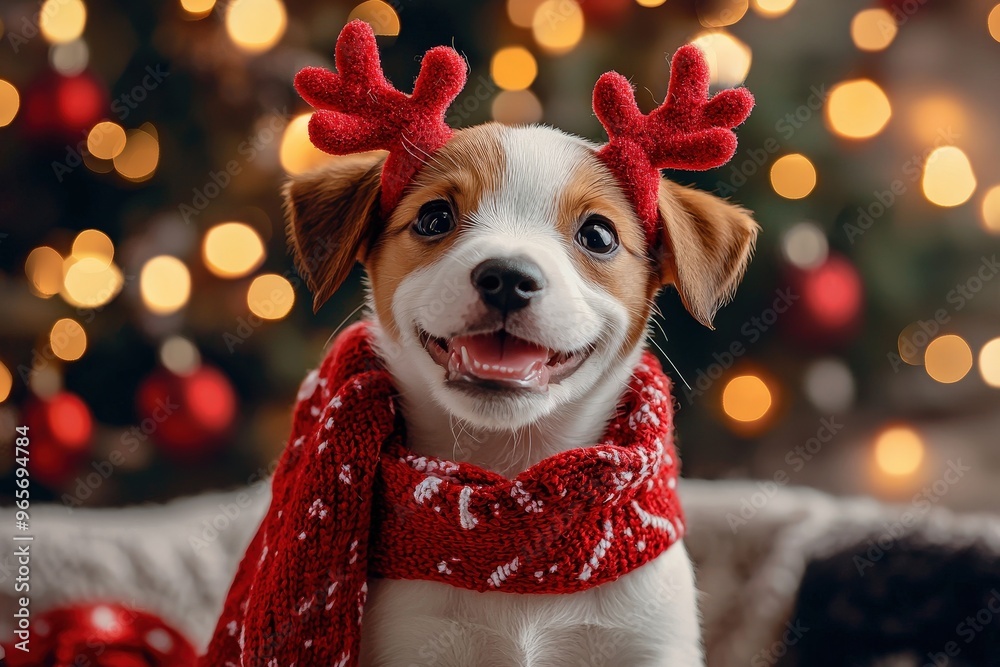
{"x":498,"y":357}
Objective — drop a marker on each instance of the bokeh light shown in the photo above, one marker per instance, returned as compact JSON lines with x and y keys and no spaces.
{"x":772,"y":8}
{"x":937,"y":117}
{"x":857,"y":109}
{"x":833,"y":293}
{"x":95,"y":244}
{"x":380,"y":15}
{"x":522,"y":12}
{"x":990,"y":210}
{"x":90,"y":282}
{"x":256,"y":25}
{"x":270,"y":296}
{"x":989,"y":363}
{"x":165,"y":284}
{"x":68,"y":339}
{"x":746,"y":398}
{"x":297,"y":154}
{"x":558,"y":25}
{"x":10,"y":102}
{"x":948,"y":358}
{"x":873,"y":29}
{"x":805,"y":246}
{"x":993,"y":23}
{"x":829,"y":385}
{"x":948,"y":177}
{"x":516,"y":107}
{"x":899,"y":451}
{"x":138,"y":159}
{"x":720,"y":13}
{"x":232,"y":250}
{"x":513,"y":68}
{"x":62,"y":21}
{"x":198,"y":8}
{"x":6,"y":382}
{"x":179,"y":355}
{"x":650,"y":3}
{"x":44,"y":268}
{"x":911,"y":343}
{"x":106,"y":140}
{"x":71,"y":58}
{"x":729,"y":59}
{"x":793,"y":176}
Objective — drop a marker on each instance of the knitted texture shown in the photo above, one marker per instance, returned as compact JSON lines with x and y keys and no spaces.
{"x":359,"y":110}
{"x":688,"y":131}
{"x":351,"y":502}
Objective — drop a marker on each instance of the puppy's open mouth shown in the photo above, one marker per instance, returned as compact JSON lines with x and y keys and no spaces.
{"x":500,"y":360}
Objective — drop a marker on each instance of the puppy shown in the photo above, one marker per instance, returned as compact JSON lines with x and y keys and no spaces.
{"x":509,"y":294}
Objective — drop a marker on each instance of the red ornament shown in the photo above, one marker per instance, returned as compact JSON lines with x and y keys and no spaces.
{"x":187,"y":415}
{"x":64,"y":108}
{"x":102,"y":635}
{"x":59,"y":430}
{"x":831,"y":301}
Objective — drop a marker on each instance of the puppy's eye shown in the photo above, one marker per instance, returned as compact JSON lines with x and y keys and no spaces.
{"x":435,"y":218}
{"x":597,"y":236}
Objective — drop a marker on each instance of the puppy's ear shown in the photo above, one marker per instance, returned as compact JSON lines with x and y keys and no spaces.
{"x":333,"y":216}
{"x":706,"y":244}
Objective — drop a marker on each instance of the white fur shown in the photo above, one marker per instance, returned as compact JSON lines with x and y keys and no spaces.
{"x":648,"y":617}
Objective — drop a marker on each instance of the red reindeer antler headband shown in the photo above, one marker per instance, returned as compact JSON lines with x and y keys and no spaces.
{"x":359,"y":110}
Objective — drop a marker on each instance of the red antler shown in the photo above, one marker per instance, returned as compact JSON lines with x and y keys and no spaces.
{"x":688,"y":131}
{"x":359,"y":110}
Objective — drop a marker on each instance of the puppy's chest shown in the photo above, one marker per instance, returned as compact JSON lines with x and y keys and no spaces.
{"x":418,"y":624}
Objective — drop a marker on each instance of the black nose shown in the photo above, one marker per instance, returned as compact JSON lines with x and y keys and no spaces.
{"x":508,"y":283}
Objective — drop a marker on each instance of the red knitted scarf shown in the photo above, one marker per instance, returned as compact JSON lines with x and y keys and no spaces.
{"x":351,"y":502}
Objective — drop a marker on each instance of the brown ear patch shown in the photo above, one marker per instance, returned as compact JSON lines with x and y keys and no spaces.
{"x":332,"y":217}
{"x":706,"y":245}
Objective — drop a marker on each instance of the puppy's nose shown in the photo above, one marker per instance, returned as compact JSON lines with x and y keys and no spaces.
{"x":508,"y":283}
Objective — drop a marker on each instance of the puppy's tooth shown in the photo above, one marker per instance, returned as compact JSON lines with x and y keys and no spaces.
{"x":465,"y":357}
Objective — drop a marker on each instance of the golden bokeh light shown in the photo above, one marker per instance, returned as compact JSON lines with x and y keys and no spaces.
{"x":522,"y":12}
{"x":729,"y":59}
{"x":106,"y":140}
{"x":179,"y":355}
{"x":297,"y":154}
{"x":379,"y":15}
{"x":94,"y":243}
{"x":746,"y":398}
{"x":857,"y":109}
{"x":991,"y":210}
{"x":256,"y":25}
{"x":989,"y":363}
{"x":232,"y":250}
{"x":899,"y":451}
{"x":650,"y":3}
{"x":558,"y":25}
{"x":89,"y":282}
{"x":44,"y":268}
{"x":772,"y":8}
{"x":873,"y":29}
{"x":6,"y":382}
{"x":10,"y":102}
{"x":516,"y":107}
{"x":720,"y":13}
{"x":948,"y":177}
{"x":937,"y":117}
{"x":793,"y":176}
{"x":46,"y":381}
{"x":165,"y":284}
{"x":198,"y":8}
{"x":68,"y":340}
{"x":993,"y":23}
{"x":62,"y":21}
{"x":948,"y":358}
{"x":138,"y":159}
{"x":513,"y":68}
{"x":270,"y":296}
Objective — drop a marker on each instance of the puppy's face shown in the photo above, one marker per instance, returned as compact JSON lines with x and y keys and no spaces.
{"x":514,"y":275}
